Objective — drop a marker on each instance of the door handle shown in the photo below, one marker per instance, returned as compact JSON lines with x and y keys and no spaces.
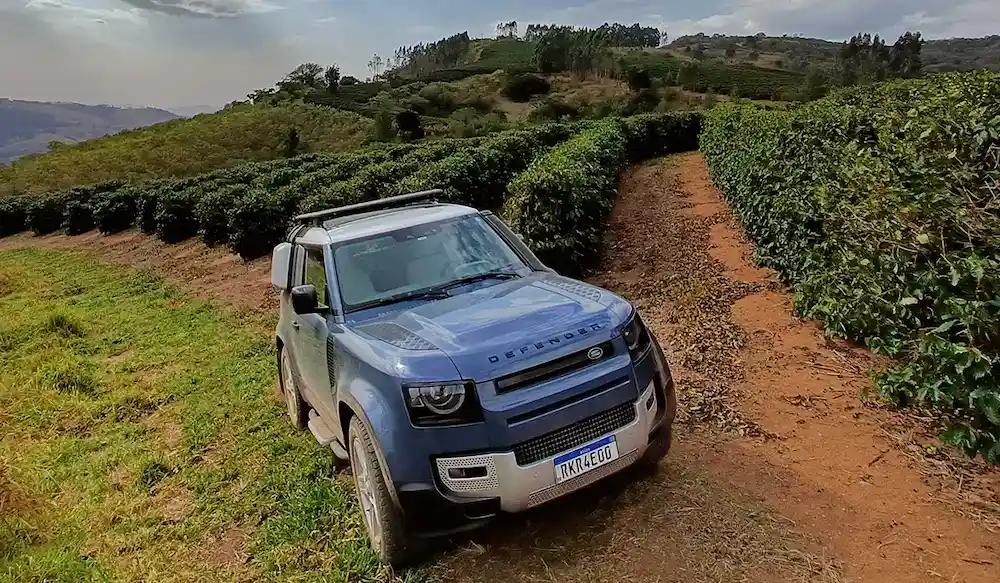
{"x":296,"y":325}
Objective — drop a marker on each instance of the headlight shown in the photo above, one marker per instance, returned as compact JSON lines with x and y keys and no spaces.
{"x":442,"y":404}
{"x":440,"y":399}
{"x":636,"y":336}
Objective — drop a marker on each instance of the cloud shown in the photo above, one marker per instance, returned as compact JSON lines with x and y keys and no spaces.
{"x":59,"y":12}
{"x":176,"y":52}
{"x":840,"y":19}
{"x":206,"y":8}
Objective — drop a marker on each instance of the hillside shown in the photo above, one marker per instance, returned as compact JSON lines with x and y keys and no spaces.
{"x":27,"y":127}
{"x":798,"y":53}
{"x":182,"y":147}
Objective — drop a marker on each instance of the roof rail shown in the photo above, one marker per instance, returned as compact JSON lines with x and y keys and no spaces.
{"x":316,"y":218}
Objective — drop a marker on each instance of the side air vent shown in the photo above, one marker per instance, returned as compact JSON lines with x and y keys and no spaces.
{"x":331,"y":360}
{"x":397,"y":336}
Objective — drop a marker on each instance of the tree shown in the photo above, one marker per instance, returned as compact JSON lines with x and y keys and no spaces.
{"x":904,"y":57}
{"x":408,"y":123}
{"x":332,"y":78}
{"x":507,"y":29}
{"x":307,"y":75}
{"x":375,"y":66}
{"x":348,"y":80}
{"x":816,"y":84}
{"x":291,"y":145}
{"x":687,"y":75}
{"x":638,"y":79}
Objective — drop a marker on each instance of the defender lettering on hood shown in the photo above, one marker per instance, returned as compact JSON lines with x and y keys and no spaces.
{"x":543,"y":343}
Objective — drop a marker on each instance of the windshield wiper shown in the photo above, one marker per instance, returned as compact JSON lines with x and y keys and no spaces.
{"x":427,"y":294}
{"x":475,"y":278}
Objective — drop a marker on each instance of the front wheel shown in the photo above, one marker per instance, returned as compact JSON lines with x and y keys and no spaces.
{"x":382,"y":519}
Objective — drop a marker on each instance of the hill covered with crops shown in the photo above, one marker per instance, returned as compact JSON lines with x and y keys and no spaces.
{"x":555,"y":182}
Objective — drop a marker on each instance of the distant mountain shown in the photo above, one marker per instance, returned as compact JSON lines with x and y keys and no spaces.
{"x":27,"y":127}
{"x":193,"y":110}
{"x":798,"y":53}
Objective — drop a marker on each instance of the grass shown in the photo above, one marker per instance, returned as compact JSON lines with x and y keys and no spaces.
{"x":142,"y":440}
{"x":185,"y":147}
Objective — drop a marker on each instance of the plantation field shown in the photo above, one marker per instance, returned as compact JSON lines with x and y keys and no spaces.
{"x":879,"y":205}
{"x":185,"y":147}
{"x":248,"y":207}
{"x":130,"y":452}
{"x":739,"y":80}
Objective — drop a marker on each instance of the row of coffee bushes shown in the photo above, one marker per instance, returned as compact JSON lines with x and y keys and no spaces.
{"x":561,"y":203}
{"x":880,"y":205}
{"x":249,"y":207}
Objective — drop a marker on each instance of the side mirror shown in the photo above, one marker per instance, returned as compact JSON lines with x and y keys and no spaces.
{"x":281,"y":263}
{"x":304,"y":299}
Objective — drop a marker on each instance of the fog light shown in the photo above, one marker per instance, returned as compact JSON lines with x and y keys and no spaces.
{"x":650,"y":402}
{"x":466,"y":473}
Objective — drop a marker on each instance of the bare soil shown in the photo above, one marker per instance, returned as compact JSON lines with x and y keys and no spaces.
{"x":783,"y":468}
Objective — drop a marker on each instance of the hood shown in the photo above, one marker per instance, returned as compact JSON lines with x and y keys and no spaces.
{"x":507,"y":326}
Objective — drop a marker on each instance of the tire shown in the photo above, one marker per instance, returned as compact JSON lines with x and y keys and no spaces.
{"x":298,"y":412}
{"x":383,"y":521}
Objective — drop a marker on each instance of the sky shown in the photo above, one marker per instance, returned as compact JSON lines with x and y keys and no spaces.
{"x":171,"y":53}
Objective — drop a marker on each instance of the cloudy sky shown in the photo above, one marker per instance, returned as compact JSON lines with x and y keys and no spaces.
{"x":172,"y":53}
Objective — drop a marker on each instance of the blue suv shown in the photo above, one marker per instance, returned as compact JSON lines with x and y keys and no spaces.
{"x":459,"y":376}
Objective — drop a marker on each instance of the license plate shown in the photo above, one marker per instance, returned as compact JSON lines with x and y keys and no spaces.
{"x":589,"y":457}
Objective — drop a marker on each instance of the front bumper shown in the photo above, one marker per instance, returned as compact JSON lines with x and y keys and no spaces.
{"x":521,"y":487}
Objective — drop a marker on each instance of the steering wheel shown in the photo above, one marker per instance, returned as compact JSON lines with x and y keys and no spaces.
{"x":467,"y":269}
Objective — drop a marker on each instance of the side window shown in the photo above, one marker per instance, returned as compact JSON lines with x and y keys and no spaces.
{"x":316,"y":274}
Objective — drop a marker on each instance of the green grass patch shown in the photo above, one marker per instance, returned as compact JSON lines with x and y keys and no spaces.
{"x":142,"y":440}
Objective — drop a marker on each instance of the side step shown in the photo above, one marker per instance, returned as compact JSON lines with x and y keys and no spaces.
{"x":325,"y":434}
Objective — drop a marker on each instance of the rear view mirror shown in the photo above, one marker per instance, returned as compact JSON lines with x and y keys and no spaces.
{"x":304,"y":299}
{"x":281,"y":263}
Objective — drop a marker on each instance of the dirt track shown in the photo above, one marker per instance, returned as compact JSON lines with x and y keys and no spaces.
{"x":780,"y":473}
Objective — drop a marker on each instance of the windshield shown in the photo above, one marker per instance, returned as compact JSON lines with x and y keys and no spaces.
{"x":418,"y":258}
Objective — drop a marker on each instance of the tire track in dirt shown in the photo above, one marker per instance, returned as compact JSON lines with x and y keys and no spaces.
{"x":833,"y":471}
{"x":208,"y":273}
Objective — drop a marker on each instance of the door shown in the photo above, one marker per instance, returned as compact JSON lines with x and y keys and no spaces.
{"x":310,"y":333}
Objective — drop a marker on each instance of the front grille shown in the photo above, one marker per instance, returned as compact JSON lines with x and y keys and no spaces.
{"x":574,"y":435}
{"x":555,"y":368}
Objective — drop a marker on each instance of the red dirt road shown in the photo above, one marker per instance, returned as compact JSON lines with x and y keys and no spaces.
{"x":780,"y":472}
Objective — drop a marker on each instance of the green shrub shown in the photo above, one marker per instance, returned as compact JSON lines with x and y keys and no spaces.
{"x":145,"y":207}
{"x":212,"y":213}
{"x":638,"y":79}
{"x":77,"y":216}
{"x":13,"y":214}
{"x":258,"y":221}
{"x":554,"y":109}
{"x":872,"y":203}
{"x":175,"y":219}
{"x":381,"y":179}
{"x":479,"y":176}
{"x":114,"y":210}
{"x":44,"y":213}
{"x":559,"y":204}
{"x":521,"y":88}
{"x":658,"y":134}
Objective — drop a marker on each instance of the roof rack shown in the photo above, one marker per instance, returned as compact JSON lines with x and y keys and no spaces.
{"x":316,"y":218}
